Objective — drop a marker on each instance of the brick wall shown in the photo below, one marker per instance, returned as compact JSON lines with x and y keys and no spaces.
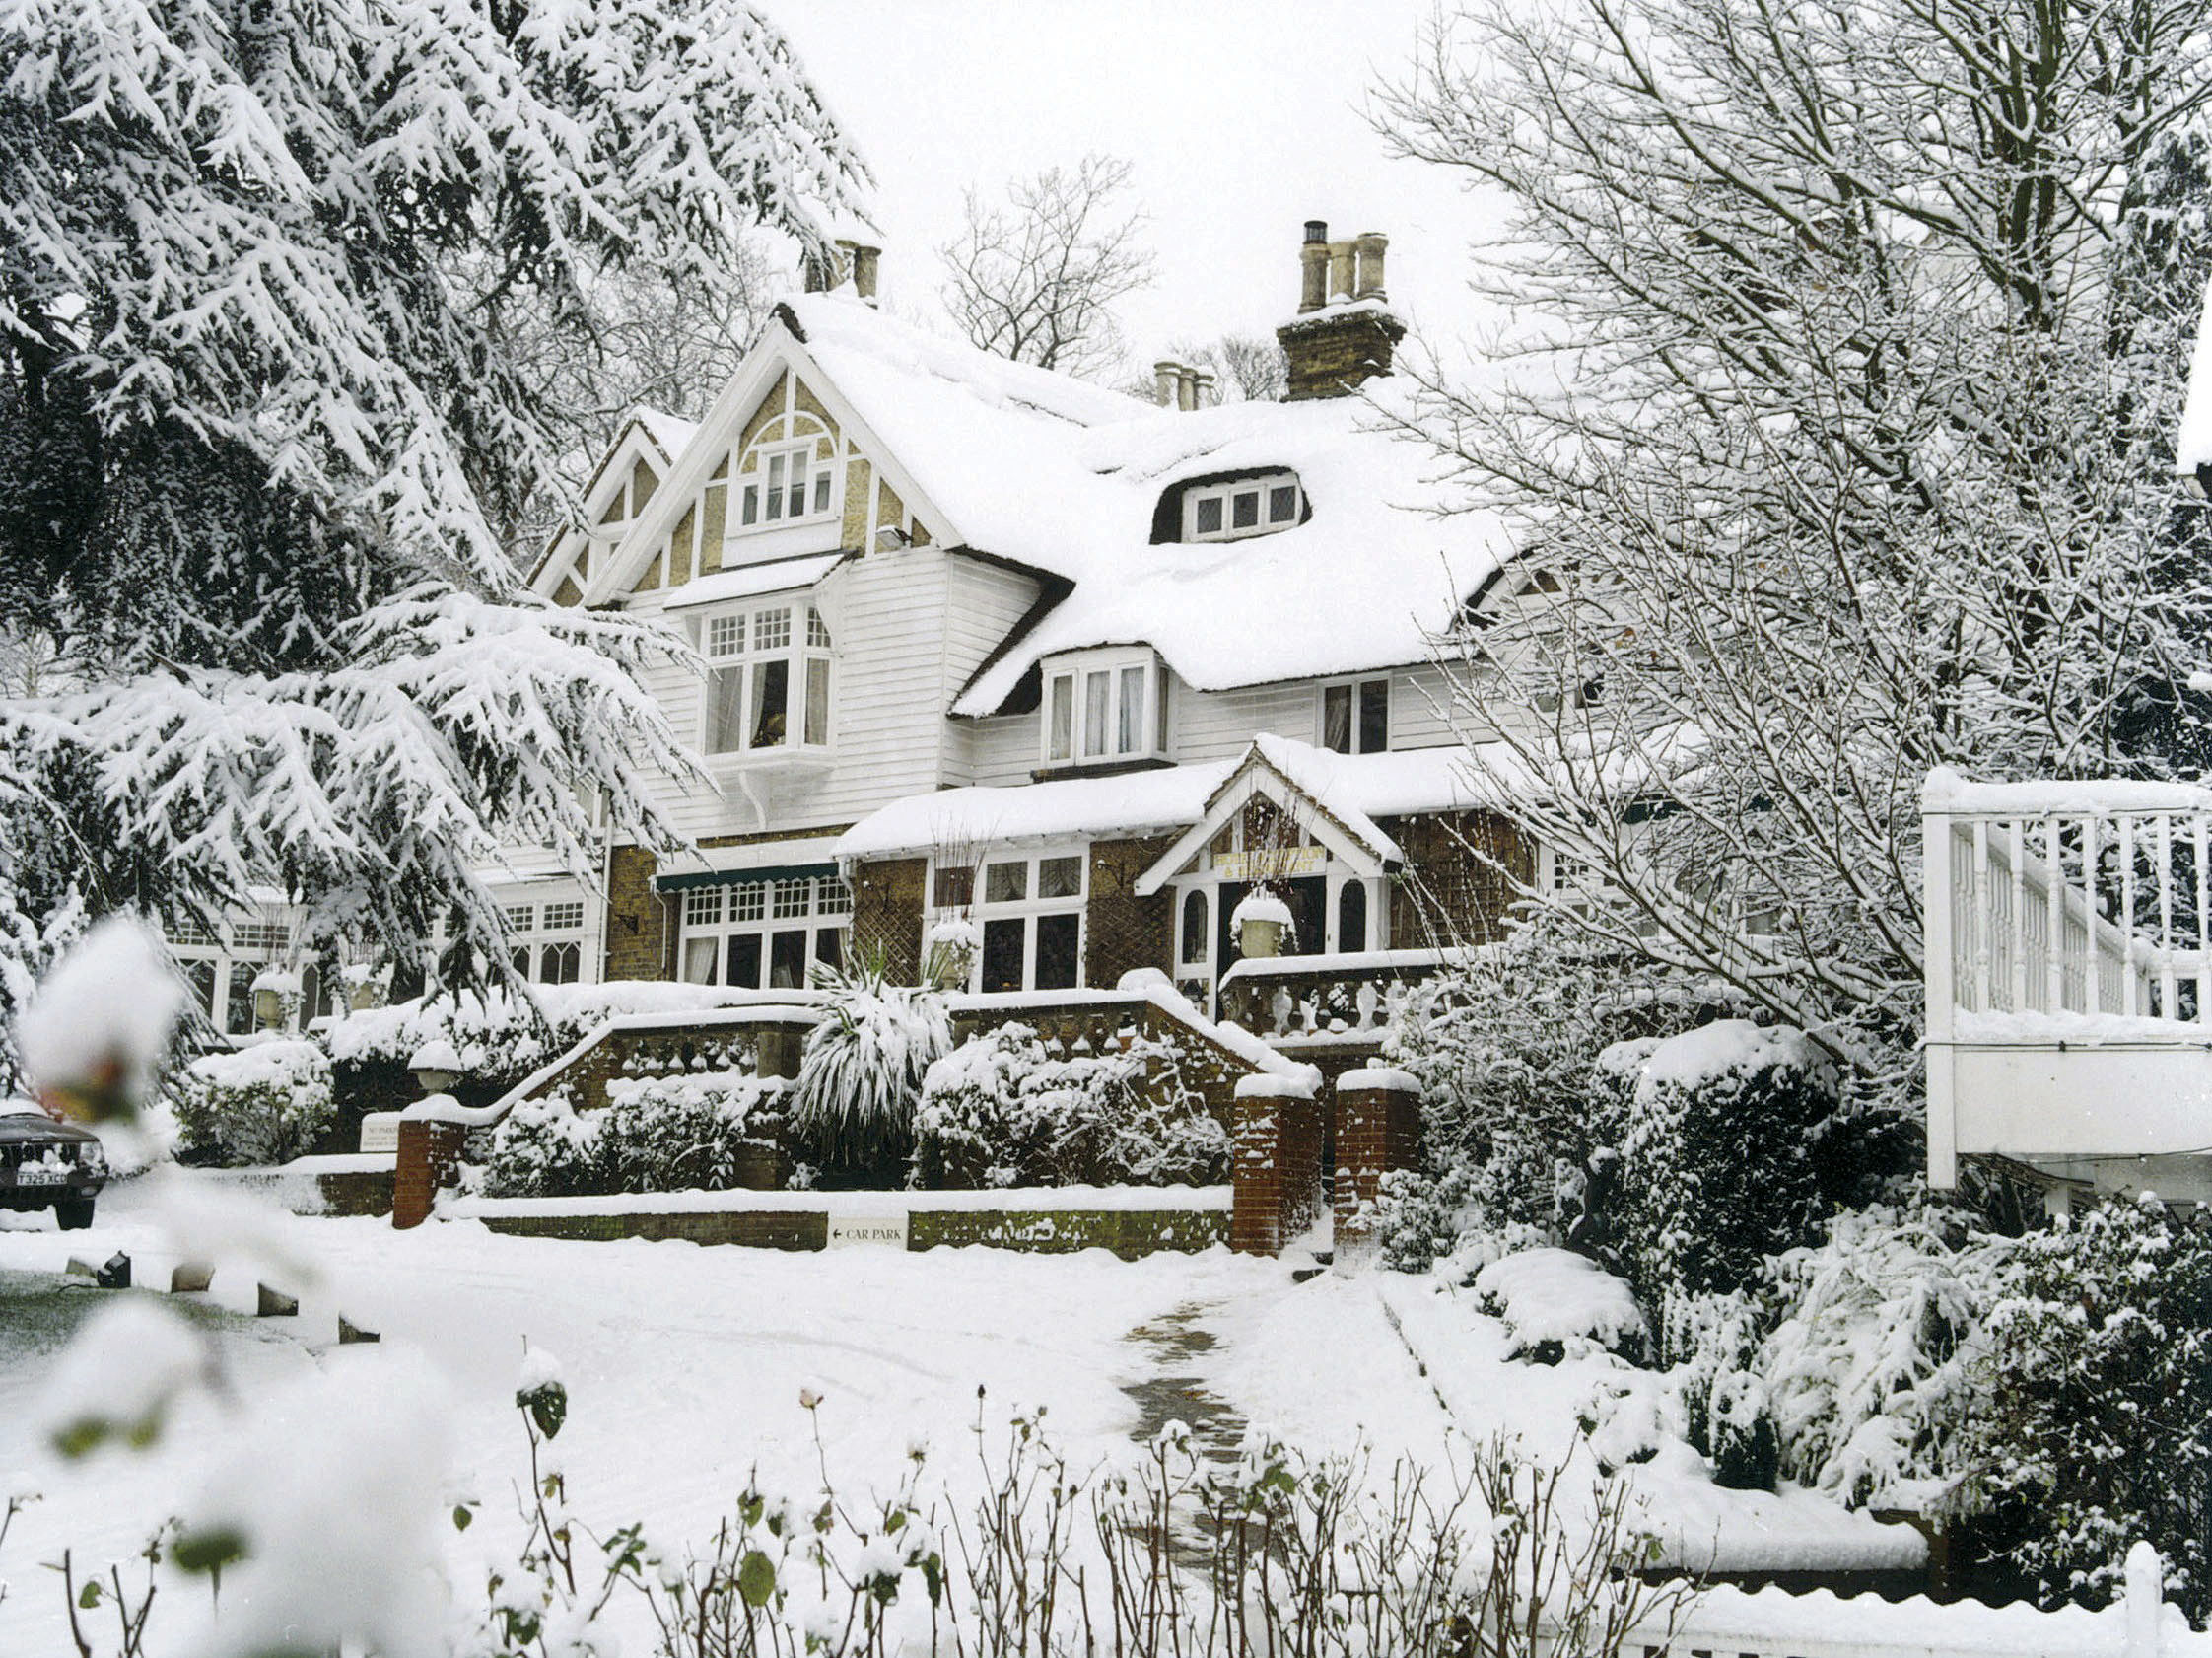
{"x":1448,"y":895}
{"x":1128,"y":1234}
{"x":429,"y":1156}
{"x":638,"y":943}
{"x":887,"y":901}
{"x":756,"y":1229}
{"x":1378,"y":1130}
{"x":1123,"y":931}
{"x":1329,"y":356}
{"x":1276,"y":1169}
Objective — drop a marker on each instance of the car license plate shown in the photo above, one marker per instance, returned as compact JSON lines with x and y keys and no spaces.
{"x":39,"y":1174}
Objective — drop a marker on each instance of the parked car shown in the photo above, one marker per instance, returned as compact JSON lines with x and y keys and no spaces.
{"x":45,"y":1163}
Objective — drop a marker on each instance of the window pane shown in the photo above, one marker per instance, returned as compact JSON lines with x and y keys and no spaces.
{"x":1194,"y":924}
{"x":771,"y":690}
{"x":1063,"y":717}
{"x":1002,"y":954}
{"x":1058,"y":952}
{"x":560,"y":964}
{"x":725,"y":636}
{"x":521,"y":959}
{"x":1336,"y":718}
{"x":787,"y":961}
{"x":726,"y":708}
{"x":200,"y":975}
{"x":818,"y":701}
{"x":792,"y":896}
{"x":831,"y":897}
{"x":702,"y":906}
{"x":748,"y":901}
{"x":772,"y":630}
{"x":822,"y":491}
{"x":699,"y":960}
{"x":1096,"y":688}
{"x":798,"y":489}
{"x":1282,"y":502}
{"x":775,"y":488}
{"x":1374,"y":715}
{"x":238,"y":1007}
{"x":955,"y":887}
{"x":1006,"y":883}
{"x":1130,"y":739}
{"x":744,"y":961}
{"x":829,"y":945}
{"x":751,"y":512}
{"x":1351,"y":916}
{"x":817,"y":631}
{"x":520,"y":917}
{"x":1210,"y":515}
{"x":1059,"y":878}
{"x":1247,"y":513}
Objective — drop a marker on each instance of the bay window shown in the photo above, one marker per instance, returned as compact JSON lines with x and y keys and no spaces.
{"x":768,"y":679}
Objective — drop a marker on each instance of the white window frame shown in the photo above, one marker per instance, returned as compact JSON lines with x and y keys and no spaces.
{"x":750,"y":495}
{"x":1265,"y":523}
{"x":982,"y":910}
{"x":1353,"y":687}
{"x":806,"y":645}
{"x":751,"y":907}
{"x":1068,"y":682}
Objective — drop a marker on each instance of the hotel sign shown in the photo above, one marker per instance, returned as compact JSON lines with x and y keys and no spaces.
{"x":1271,"y":863}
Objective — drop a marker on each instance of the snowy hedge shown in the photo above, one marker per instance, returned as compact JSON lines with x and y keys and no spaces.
{"x":1004,"y":1108}
{"x":268,"y":1103}
{"x":1718,"y":1154}
{"x":496,"y":1035}
{"x":670,"y":1135}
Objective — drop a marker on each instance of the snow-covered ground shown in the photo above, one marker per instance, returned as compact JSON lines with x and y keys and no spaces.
{"x":686,"y":1368}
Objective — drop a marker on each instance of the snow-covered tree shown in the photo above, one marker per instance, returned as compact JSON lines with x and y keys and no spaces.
{"x":1036,"y":279}
{"x":1839,"y":449}
{"x":258,"y":422}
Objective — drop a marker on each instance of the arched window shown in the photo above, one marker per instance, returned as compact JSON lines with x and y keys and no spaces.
{"x":1194,"y":924}
{"x":1352,"y":916}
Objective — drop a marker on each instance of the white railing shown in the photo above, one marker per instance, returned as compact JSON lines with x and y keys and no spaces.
{"x":2055,"y":908}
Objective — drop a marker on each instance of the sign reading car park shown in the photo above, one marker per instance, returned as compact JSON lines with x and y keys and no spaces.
{"x":887,"y":1231}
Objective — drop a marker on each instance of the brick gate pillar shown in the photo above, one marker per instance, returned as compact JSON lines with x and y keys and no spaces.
{"x":1378,"y":1130}
{"x":1276,"y":1173}
{"x":430,"y":1153}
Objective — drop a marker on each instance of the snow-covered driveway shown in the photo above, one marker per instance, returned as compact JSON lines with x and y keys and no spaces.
{"x":685,"y":1365}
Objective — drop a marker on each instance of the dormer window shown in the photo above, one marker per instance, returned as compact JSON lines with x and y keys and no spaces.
{"x":1104,"y":707}
{"x":1243,"y":507}
{"x":790,"y":482}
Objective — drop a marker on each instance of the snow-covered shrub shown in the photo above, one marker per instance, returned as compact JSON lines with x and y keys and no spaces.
{"x":1558,"y":1305}
{"x":1004,"y":1108}
{"x":264,"y":1104}
{"x":860,"y":1078}
{"x":1417,"y":1219}
{"x":1714,"y":1338}
{"x":1503,"y":1045}
{"x":1719,"y":1161}
{"x":2098,"y":1429}
{"x":496,"y":1035}
{"x":679,"y":1134}
{"x":1876,"y":1367}
{"x":541,"y":1149}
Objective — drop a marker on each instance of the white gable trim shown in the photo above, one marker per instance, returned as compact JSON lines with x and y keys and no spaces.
{"x":633,"y":444}
{"x":778,"y":352}
{"x":1257,"y":776}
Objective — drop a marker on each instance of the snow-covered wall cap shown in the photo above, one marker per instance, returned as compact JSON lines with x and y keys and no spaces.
{"x":1947,"y":794}
{"x":444,"y":1108}
{"x":1379,"y":1078}
{"x":1276,"y":1087}
{"x":2192,"y":445}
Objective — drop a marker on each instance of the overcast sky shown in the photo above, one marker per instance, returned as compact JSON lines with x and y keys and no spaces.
{"x":1243,"y":120}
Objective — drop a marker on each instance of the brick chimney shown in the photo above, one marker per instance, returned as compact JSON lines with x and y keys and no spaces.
{"x":1343,"y":333}
{"x":842,"y":262}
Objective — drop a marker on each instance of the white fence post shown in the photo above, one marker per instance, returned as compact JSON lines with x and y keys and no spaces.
{"x":2146,"y":1599}
{"x":1937,"y":966}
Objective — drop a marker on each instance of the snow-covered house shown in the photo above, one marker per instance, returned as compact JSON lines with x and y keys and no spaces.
{"x":980,"y":640}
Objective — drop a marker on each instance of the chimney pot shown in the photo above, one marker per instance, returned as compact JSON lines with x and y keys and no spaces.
{"x":1202,"y":390}
{"x":1340,"y":259}
{"x":1185,"y":388}
{"x":1370,"y":246}
{"x":1317,"y":230}
{"x":1333,"y":353}
{"x":1313,"y":267}
{"x":1165,"y":373}
{"x":863,"y":271}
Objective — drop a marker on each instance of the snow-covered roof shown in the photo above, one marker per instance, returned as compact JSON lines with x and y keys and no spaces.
{"x":1035,"y":466}
{"x":747,"y":580}
{"x":673,"y":433}
{"x":2192,"y":445}
{"x":1356,"y":788}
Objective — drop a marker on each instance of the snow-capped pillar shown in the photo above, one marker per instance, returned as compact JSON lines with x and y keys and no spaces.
{"x":1276,"y":1172}
{"x":429,"y":1156}
{"x":1378,"y":1131}
{"x":2145,"y":1599}
{"x":1936,"y":972}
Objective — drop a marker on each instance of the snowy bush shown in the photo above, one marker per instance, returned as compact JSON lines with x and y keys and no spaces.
{"x":861,"y":1076}
{"x":2098,"y":1429}
{"x":1876,"y":1369}
{"x":1722,"y":1398}
{"x":1719,"y":1161}
{"x":498,"y":1035}
{"x":1503,"y":1045}
{"x":1004,"y":1108}
{"x":264,"y":1104}
{"x":666,"y":1134}
{"x":1417,"y":1219}
{"x":1557,"y":1305}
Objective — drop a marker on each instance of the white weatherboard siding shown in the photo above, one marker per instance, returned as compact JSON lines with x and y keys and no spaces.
{"x":1004,"y":750}
{"x":985,"y":602}
{"x":1220,"y":724}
